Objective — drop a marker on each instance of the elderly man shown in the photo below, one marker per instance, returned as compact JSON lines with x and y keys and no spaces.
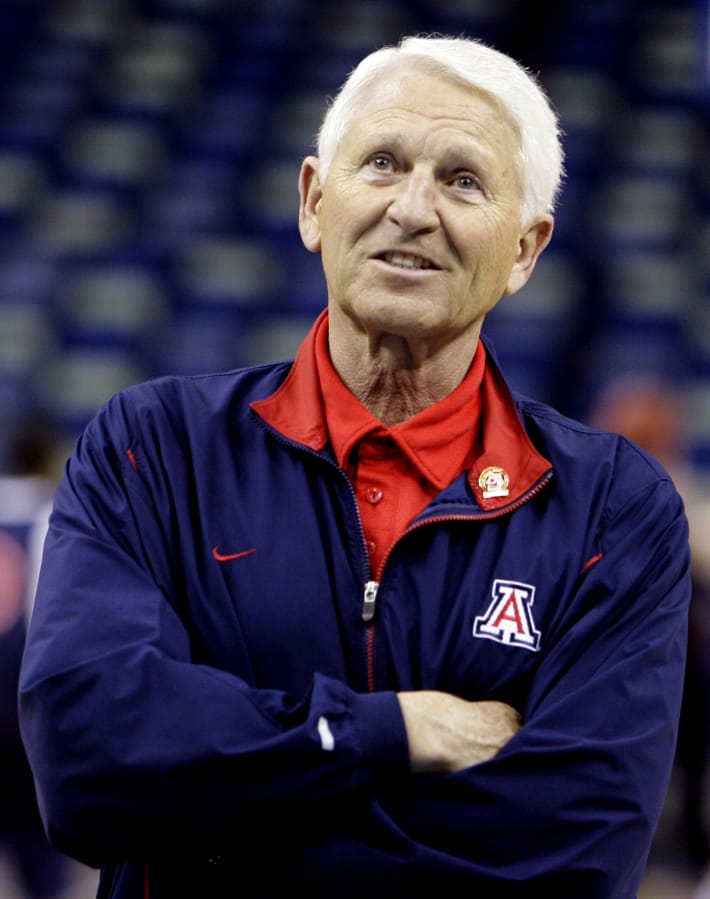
{"x":366,"y":623}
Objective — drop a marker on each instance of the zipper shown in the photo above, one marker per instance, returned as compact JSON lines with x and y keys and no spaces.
{"x":369,"y":600}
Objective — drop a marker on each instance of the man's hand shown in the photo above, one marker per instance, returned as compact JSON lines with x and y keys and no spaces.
{"x":447,"y":733}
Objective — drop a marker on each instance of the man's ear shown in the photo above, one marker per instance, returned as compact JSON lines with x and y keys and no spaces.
{"x":530,"y":246}
{"x":310,"y":193}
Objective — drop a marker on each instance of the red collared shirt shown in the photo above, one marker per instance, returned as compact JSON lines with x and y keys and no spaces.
{"x":396,"y":471}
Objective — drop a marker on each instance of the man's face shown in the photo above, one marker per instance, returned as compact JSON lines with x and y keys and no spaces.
{"x":418,"y":217}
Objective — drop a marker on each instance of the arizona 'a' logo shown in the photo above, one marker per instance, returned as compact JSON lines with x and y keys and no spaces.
{"x":509,"y":616}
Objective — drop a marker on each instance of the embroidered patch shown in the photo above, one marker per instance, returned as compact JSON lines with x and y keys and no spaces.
{"x":509,"y":617}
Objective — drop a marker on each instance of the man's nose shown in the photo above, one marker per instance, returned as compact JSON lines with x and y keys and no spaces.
{"x":414,"y":205}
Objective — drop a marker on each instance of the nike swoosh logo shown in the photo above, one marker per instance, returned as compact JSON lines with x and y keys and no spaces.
{"x":230,"y":556}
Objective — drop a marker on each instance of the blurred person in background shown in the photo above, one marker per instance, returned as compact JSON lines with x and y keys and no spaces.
{"x":368,"y":623}
{"x":26,"y":489}
{"x":650,"y":411}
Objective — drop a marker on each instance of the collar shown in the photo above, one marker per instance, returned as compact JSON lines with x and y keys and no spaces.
{"x":439,"y":441}
{"x":506,"y":464}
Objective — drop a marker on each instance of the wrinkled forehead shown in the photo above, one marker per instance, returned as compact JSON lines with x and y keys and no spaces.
{"x":394,"y":76}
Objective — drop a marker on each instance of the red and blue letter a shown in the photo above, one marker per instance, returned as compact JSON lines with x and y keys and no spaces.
{"x":509,"y":616}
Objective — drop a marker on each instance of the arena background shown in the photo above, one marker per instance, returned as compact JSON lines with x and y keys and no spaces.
{"x":149,"y":152}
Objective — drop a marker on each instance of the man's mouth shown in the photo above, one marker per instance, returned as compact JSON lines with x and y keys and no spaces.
{"x":407,"y":260}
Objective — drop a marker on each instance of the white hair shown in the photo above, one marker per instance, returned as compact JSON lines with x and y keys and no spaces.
{"x":477,"y":65}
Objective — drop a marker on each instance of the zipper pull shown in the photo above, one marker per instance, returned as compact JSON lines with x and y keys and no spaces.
{"x":369,"y":599}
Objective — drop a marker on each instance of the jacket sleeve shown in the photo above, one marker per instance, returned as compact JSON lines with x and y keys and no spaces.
{"x":134,"y":747}
{"x":570,"y":805}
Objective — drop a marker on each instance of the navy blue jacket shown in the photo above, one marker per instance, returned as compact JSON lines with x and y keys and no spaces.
{"x":208,"y":695}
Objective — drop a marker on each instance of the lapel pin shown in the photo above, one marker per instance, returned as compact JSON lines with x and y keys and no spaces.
{"x":494,"y":481}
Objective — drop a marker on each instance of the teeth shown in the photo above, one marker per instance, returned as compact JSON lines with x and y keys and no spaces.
{"x":404,"y":260}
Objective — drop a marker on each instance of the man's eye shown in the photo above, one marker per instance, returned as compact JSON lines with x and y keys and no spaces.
{"x":381,"y":163}
{"x":466,"y":182}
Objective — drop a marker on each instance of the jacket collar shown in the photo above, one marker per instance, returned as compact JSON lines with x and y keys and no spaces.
{"x":508,"y":466}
